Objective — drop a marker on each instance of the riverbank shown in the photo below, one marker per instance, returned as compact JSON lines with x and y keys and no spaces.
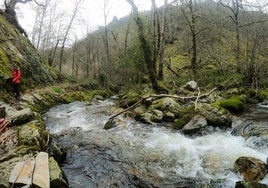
{"x":27,"y":136}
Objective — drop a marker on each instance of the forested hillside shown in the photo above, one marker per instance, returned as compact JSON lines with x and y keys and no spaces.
{"x":210,"y":42}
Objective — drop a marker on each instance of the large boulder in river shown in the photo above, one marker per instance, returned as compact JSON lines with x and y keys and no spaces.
{"x":215,"y":117}
{"x":252,"y":169}
{"x":169,"y":106}
{"x":195,"y":124}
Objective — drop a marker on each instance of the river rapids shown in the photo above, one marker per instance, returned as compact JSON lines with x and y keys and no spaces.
{"x":134,"y":154}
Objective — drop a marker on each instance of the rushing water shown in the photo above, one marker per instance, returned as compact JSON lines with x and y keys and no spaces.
{"x":138,"y":155}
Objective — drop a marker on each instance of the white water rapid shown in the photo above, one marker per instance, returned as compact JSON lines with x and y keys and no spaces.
{"x":160,"y":152}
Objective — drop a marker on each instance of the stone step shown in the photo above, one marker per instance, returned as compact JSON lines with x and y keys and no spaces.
{"x":41,"y":171}
{"x":22,"y":172}
{"x":32,"y":172}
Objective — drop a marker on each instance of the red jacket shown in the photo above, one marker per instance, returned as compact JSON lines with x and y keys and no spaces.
{"x":16,"y":76}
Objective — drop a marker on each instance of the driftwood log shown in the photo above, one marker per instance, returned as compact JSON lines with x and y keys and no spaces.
{"x":157,"y":96}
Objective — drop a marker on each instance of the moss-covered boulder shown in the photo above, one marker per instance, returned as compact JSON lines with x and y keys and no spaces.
{"x":169,"y":106}
{"x":33,"y":136}
{"x":216,"y":117}
{"x":18,"y":117}
{"x":157,"y":116}
{"x":233,"y":104}
{"x":165,"y":104}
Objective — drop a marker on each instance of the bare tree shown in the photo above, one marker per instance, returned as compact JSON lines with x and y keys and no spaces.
{"x":235,"y":7}
{"x":146,"y":47}
{"x":11,"y":13}
{"x":75,"y":11}
{"x":39,"y":23}
{"x":106,"y":38}
{"x":190,"y":12}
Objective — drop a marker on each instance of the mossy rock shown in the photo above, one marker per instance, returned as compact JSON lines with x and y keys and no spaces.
{"x":181,"y":122}
{"x":215,"y":115}
{"x":185,"y":110}
{"x":165,"y":104}
{"x":233,"y":104}
{"x":33,"y":136}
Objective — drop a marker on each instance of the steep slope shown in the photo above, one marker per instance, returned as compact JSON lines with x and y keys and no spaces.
{"x":17,"y":49}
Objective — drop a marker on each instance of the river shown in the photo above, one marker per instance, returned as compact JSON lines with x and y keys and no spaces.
{"x":139,"y":155}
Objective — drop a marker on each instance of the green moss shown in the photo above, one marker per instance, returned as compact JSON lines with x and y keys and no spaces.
{"x":186,"y":110}
{"x":129,"y":98}
{"x":33,"y":136}
{"x":233,"y":104}
{"x":179,"y":123}
{"x":263,"y":94}
{"x":57,"y":90}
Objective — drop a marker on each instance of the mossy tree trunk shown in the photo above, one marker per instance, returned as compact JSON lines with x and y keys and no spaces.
{"x":146,"y":47}
{"x":11,"y":15}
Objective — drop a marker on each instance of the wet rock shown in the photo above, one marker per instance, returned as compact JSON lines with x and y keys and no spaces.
{"x":249,"y":129}
{"x":169,"y":116}
{"x":109,"y":124}
{"x":214,"y":116}
{"x":195,"y":124}
{"x":252,"y":169}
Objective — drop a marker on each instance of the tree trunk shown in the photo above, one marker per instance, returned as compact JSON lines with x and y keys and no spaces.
{"x":11,"y":15}
{"x":147,"y":52}
{"x":77,"y":3}
{"x":161,"y":35}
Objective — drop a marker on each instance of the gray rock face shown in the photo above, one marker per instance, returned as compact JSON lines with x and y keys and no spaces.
{"x":195,"y":124}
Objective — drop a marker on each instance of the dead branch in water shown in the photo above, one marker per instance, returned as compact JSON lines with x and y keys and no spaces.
{"x":165,"y":95}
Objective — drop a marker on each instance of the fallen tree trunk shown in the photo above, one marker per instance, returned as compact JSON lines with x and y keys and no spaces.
{"x":184,"y":98}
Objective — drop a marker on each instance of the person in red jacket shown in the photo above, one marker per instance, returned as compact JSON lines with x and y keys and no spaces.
{"x":16,"y":78}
